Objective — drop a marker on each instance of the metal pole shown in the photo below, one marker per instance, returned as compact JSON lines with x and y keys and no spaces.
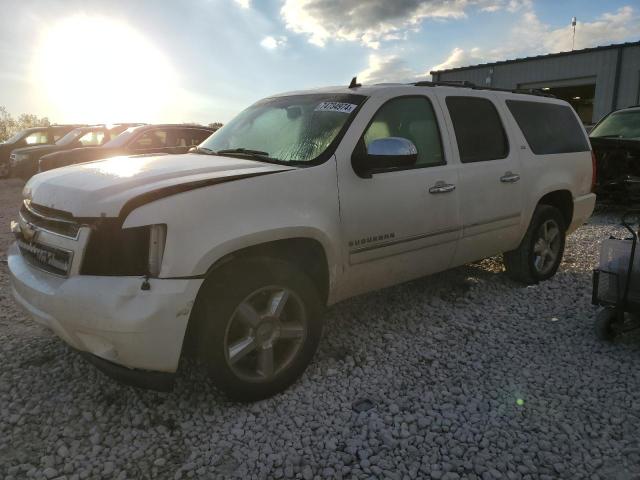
{"x":573,"y":41}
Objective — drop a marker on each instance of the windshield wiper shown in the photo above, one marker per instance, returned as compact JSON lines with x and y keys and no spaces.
{"x":244,"y":151}
{"x":203,"y":151}
{"x":259,"y":155}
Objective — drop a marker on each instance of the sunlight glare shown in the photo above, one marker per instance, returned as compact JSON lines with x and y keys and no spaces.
{"x":121,"y":167}
{"x":95,"y":69}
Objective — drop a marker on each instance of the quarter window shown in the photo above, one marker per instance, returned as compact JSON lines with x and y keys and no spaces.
{"x":548,"y":128}
{"x":412,"y":118}
{"x":478,"y":128}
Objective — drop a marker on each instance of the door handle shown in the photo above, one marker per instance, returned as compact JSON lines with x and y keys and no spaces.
{"x":441,"y":187}
{"x":509,"y":177}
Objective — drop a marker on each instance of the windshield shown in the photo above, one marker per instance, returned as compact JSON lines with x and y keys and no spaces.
{"x":296,"y":128}
{"x":15,"y":138}
{"x":123,"y":138}
{"x":70,"y":137}
{"x":619,"y":125}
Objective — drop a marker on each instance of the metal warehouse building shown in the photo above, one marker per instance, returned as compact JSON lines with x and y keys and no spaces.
{"x":594,"y":80}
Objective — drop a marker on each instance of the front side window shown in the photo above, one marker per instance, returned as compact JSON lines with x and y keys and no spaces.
{"x":548,"y":128}
{"x":291,"y":129}
{"x":619,"y":125}
{"x":412,"y":118}
{"x":92,"y":139}
{"x":36,"y":138}
{"x":152,"y":139}
{"x":478,"y":128}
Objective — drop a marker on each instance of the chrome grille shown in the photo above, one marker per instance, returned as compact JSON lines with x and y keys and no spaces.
{"x":54,"y":221}
{"x":47,"y":258}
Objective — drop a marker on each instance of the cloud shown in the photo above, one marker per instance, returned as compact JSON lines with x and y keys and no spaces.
{"x":243,"y":3}
{"x":389,"y":68}
{"x":371,"y":22}
{"x":364,"y":21}
{"x":530,"y":37}
{"x":272,"y":43}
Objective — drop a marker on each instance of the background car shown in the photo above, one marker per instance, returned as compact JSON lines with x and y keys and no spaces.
{"x":166,"y":138}
{"x":616,"y":145}
{"x":30,"y":137}
{"x":24,"y":161}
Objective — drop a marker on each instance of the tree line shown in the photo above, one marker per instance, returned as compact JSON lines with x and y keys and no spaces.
{"x":10,"y":125}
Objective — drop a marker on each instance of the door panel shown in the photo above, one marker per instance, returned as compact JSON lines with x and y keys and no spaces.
{"x":490,"y":183}
{"x":394,"y":229}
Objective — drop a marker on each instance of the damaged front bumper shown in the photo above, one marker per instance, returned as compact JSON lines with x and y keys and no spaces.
{"x":111,"y":318}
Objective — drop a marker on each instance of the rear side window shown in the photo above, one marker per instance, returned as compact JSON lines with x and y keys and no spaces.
{"x":479,"y":131}
{"x":151,"y":139}
{"x":549,"y":128}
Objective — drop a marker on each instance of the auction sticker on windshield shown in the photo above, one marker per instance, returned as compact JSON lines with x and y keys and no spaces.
{"x":336,"y":107}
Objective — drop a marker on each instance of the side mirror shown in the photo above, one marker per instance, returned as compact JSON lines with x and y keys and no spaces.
{"x":386,"y":154}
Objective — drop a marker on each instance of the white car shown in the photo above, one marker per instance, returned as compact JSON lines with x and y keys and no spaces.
{"x":233,"y":251}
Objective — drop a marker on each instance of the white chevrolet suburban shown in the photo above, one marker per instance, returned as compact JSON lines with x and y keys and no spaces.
{"x":232,"y":251}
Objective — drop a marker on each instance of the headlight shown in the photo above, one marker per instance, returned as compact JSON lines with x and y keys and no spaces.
{"x":113,"y":250}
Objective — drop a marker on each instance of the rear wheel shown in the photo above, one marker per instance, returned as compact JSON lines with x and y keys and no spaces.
{"x":260,"y":326}
{"x":540,"y":252}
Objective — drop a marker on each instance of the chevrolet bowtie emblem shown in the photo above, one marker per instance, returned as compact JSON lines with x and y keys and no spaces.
{"x":28,"y":231}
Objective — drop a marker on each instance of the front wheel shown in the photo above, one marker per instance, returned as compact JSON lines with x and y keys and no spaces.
{"x":540,"y":252}
{"x":261,"y":326}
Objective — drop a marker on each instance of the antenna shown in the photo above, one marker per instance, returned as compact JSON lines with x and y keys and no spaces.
{"x":354,"y":83}
{"x":574,"y":20}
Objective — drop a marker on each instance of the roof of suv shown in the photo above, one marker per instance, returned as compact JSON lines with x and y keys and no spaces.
{"x":379,"y":89}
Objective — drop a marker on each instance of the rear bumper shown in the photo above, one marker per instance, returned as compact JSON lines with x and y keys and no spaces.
{"x":582,"y":209}
{"x":109,"y":317}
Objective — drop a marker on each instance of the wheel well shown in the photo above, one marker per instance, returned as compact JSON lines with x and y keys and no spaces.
{"x":306,"y":253}
{"x":563,"y":201}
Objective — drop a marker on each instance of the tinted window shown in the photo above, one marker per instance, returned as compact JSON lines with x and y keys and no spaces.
{"x":199,"y":136}
{"x":411,"y":118}
{"x":478,"y":128}
{"x":152,"y":139}
{"x":548,"y":128}
{"x":189,"y":137}
{"x":624,"y":124}
{"x":92,"y":139}
{"x":36,"y":138}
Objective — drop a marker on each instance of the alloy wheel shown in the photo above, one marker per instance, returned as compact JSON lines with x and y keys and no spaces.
{"x":546,"y":248}
{"x":265,"y":334}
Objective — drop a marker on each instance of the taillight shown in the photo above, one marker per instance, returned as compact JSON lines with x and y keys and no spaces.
{"x":594,"y":171}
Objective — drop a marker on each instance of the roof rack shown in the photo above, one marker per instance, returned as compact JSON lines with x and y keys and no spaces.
{"x":473,"y":86}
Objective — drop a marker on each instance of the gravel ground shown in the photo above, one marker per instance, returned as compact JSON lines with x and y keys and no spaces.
{"x":469,"y":376}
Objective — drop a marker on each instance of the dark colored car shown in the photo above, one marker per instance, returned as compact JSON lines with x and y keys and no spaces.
{"x":30,"y":137}
{"x":616,"y":145}
{"x":25,"y":161}
{"x":144,"y":139}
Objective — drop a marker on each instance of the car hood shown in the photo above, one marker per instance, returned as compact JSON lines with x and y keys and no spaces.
{"x":37,"y":149}
{"x":105,"y":188}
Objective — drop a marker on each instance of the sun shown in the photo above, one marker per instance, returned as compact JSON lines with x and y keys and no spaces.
{"x":97,"y":70}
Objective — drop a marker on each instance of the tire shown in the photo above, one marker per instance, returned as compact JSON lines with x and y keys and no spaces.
{"x":604,"y":324}
{"x":533,"y":262}
{"x":239,"y":331}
